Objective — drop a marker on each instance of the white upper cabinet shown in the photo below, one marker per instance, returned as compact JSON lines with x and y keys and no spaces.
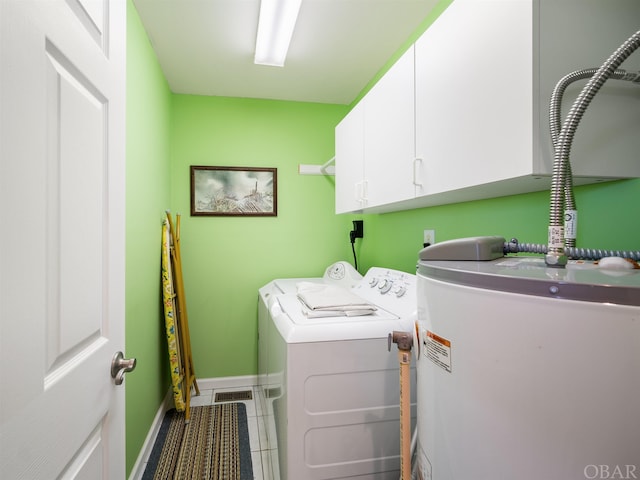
{"x":484,"y":74}
{"x":389,"y":134}
{"x":350,"y":187}
{"x":474,"y":84}
{"x":375,"y":143}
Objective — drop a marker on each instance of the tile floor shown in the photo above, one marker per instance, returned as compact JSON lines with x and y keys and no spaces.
{"x":255,"y":420}
{"x":257,"y":436}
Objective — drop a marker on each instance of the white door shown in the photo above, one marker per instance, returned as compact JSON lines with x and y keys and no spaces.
{"x":62,"y":151}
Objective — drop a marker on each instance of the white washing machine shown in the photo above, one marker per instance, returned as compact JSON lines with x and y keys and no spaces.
{"x":527,"y":372}
{"x":330,"y":386}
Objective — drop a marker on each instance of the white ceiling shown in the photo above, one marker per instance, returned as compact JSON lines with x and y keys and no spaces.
{"x":205,"y":47}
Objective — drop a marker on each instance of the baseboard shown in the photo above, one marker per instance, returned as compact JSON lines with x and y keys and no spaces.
{"x":227,"y":382}
{"x":203,"y":384}
{"x":138,"y":468}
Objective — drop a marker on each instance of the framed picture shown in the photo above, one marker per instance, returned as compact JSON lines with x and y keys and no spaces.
{"x":234,"y":191}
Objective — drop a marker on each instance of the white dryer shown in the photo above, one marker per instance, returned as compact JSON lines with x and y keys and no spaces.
{"x":339,"y":273}
{"x":330,"y":387}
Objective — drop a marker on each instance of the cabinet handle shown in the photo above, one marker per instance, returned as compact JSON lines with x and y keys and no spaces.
{"x":365,"y":192}
{"x":416,"y":161}
{"x":361,"y":192}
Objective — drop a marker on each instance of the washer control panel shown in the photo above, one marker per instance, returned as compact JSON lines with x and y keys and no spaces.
{"x":386,"y":285}
{"x":390,"y":289}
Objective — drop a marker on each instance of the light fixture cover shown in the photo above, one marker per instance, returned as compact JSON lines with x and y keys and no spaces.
{"x":275,"y":28}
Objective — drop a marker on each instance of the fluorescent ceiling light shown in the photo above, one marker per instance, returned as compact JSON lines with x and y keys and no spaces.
{"x":275,"y":27}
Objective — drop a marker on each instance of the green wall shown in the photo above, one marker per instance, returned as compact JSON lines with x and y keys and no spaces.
{"x":607,"y":213}
{"x":226,"y":259}
{"x":148,"y":194}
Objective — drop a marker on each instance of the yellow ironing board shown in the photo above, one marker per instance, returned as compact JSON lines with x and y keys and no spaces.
{"x":176,"y":320}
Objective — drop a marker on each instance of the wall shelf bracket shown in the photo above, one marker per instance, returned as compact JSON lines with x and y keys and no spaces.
{"x":327,"y":168}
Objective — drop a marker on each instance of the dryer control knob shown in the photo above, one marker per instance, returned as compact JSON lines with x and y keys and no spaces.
{"x":385,"y":286}
{"x":400,"y":291}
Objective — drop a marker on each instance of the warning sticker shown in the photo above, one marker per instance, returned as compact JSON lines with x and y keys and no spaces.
{"x":438,"y":350}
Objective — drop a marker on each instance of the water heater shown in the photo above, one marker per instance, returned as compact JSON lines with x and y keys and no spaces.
{"x":527,"y":372}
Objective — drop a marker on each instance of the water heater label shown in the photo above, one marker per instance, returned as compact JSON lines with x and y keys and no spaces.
{"x":438,"y":350}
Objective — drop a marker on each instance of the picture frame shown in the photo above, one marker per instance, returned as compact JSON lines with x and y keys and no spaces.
{"x":234,"y":191}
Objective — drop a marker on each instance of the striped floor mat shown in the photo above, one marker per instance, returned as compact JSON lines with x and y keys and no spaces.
{"x":214,"y":445}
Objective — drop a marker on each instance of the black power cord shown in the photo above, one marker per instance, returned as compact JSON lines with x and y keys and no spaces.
{"x":357,"y":232}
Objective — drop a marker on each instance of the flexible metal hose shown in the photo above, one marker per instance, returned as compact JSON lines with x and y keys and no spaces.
{"x":556,"y":256}
{"x":555,"y":104}
{"x":514,"y":246}
{"x":555,"y":119}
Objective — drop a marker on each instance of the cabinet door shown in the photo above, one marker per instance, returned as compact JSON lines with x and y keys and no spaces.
{"x":389,"y":145}
{"x":349,"y":161}
{"x":578,"y":34}
{"x":473,"y":95}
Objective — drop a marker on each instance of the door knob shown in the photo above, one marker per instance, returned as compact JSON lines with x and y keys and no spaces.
{"x":120,"y":366}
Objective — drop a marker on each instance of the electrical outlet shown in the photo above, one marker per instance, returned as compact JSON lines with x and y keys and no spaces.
{"x":429,"y":237}
{"x":358,"y":229}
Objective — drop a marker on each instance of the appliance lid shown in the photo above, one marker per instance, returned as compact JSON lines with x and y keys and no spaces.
{"x":294,"y":308}
{"x":580,"y":280}
{"x":290,"y":285}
